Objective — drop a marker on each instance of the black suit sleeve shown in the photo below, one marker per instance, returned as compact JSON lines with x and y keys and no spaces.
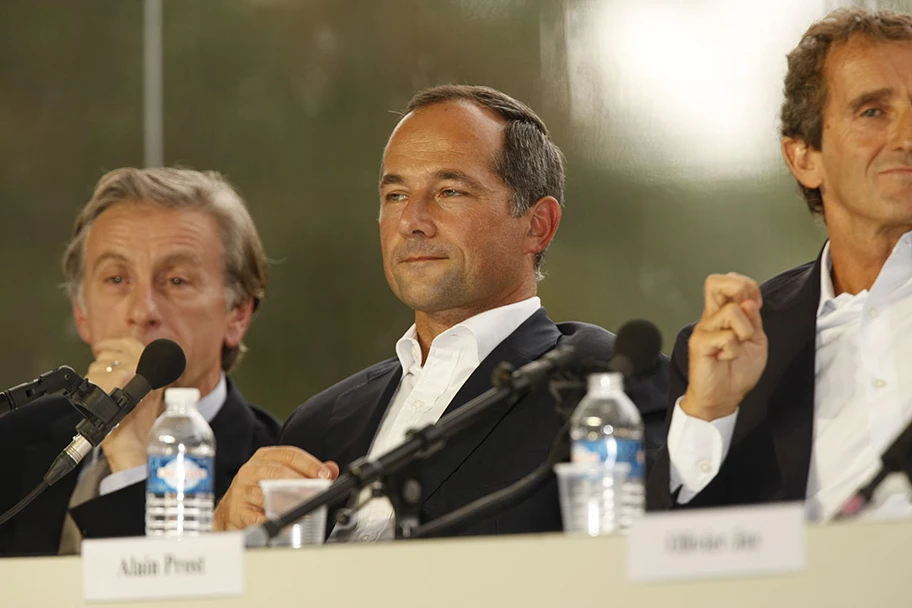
{"x":658,"y":493}
{"x":120,"y":513}
{"x":649,"y":391}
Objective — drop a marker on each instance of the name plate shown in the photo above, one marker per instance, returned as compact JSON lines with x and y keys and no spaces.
{"x":139,"y":568}
{"x":725,"y":542}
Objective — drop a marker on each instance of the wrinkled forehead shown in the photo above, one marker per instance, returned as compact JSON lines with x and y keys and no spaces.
{"x":148,"y":234}
{"x":862,"y":64}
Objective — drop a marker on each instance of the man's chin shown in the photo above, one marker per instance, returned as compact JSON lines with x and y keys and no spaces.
{"x":426,"y":300}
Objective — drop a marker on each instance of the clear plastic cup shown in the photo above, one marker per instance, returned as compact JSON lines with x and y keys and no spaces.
{"x":281,"y":495}
{"x":591,"y":499}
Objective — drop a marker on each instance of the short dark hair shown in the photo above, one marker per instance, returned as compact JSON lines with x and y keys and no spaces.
{"x":805,"y":82}
{"x":529,"y":163}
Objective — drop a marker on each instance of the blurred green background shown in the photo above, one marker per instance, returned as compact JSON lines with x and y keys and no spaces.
{"x":665,"y":110}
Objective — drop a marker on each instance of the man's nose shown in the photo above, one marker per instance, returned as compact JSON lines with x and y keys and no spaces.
{"x":143,"y":311}
{"x":418,"y":217}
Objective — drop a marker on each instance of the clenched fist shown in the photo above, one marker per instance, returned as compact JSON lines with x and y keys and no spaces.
{"x":728,"y":348}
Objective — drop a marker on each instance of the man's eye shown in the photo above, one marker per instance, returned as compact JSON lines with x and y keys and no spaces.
{"x":872,"y":113}
{"x":450,"y":193}
{"x":114,"y":280}
{"x":178,"y":281}
{"x":395,"y":196}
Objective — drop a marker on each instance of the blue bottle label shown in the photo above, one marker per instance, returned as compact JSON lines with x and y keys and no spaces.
{"x":611,"y":450}
{"x":180,"y":473}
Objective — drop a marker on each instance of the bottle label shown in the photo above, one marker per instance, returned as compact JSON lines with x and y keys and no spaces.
{"x":609,"y":451}
{"x":180,"y":473}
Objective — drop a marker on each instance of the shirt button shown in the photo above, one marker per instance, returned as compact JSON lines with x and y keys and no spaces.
{"x":365,"y":538}
{"x":880,"y":383}
{"x":418,"y":404}
{"x":705,"y":467}
{"x":873,"y":313}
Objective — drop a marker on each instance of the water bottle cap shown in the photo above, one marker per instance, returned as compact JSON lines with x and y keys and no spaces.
{"x":183,"y":397}
{"x":606,"y":382}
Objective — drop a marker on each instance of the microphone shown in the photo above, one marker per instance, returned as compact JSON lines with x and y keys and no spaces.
{"x":62,"y":379}
{"x":161,"y":363}
{"x":897,"y":459}
{"x":636,"y":348}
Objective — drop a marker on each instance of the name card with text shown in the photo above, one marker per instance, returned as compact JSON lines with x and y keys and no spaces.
{"x":723,"y":542}
{"x":210,"y":565}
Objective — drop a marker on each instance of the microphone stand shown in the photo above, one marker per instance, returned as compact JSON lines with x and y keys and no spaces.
{"x":403,"y":486}
{"x":99,"y":411}
{"x":567,"y":393}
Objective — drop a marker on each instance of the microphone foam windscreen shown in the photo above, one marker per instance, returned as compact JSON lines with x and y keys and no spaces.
{"x":640,"y":342}
{"x":161,"y":363}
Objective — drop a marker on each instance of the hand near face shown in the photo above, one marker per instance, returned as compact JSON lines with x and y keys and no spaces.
{"x":242,"y":505}
{"x":125,"y":446}
{"x":728,"y":348}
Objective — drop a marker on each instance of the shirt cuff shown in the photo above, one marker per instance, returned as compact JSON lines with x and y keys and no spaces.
{"x":121,"y":479}
{"x":696,"y":449}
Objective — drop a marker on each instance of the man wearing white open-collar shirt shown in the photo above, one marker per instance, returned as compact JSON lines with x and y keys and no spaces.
{"x":470,"y":197}
{"x":793,"y":390}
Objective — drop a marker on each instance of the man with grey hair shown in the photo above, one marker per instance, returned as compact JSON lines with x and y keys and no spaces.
{"x":471,"y":192}
{"x":156,"y":253}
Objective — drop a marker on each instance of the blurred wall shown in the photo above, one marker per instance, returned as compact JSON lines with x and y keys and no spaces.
{"x":666,"y":111}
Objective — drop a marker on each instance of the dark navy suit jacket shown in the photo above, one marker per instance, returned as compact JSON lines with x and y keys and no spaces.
{"x":339,"y":424}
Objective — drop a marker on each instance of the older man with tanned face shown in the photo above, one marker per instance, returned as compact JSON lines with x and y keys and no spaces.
{"x":470,"y":197}
{"x":793,"y":390}
{"x":156,"y":253}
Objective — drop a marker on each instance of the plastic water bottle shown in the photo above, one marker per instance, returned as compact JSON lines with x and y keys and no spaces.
{"x":606,"y":428}
{"x":179,"y":486}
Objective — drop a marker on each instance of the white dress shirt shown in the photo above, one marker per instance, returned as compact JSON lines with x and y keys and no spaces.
{"x":424,"y":393}
{"x":208,"y":407}
{"x":862,"y":396}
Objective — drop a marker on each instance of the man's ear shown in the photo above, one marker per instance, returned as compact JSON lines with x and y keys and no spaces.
{"x":237,"y":322}
{"x":82,"y":323}
{"x":545,"y":217}
{"x":804,"y":162}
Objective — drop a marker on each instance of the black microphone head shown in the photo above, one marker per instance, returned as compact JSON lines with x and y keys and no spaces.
{"x":161,"y":363}
{"x":637,"y":347}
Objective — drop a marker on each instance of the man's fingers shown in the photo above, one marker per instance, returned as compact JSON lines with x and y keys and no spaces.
{"x":297,"y":460}
{"x":123,"y":346}
{"x":720,"y":289}
{"x":731,"y":316}
{"x":722,"y":345}
{"x":752,"y":311}
{"x":253,"y":494}
{"x":333,"y":469}
{"x":241,"y":517}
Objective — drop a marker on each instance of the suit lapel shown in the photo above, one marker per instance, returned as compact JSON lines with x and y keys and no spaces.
{"x":357,"y":413}
{"x":533,"y":338}
{"x":233,"y":426}
{"x":784,"y":396}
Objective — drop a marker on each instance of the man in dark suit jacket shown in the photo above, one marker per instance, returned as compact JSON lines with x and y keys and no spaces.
{"x":156,"y":253}
{"x":340,"y":424}
{"x":30,"y":439}
{"x":793,"y":390}
{"x":770,"y":452}
{"x":470,"y":191}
